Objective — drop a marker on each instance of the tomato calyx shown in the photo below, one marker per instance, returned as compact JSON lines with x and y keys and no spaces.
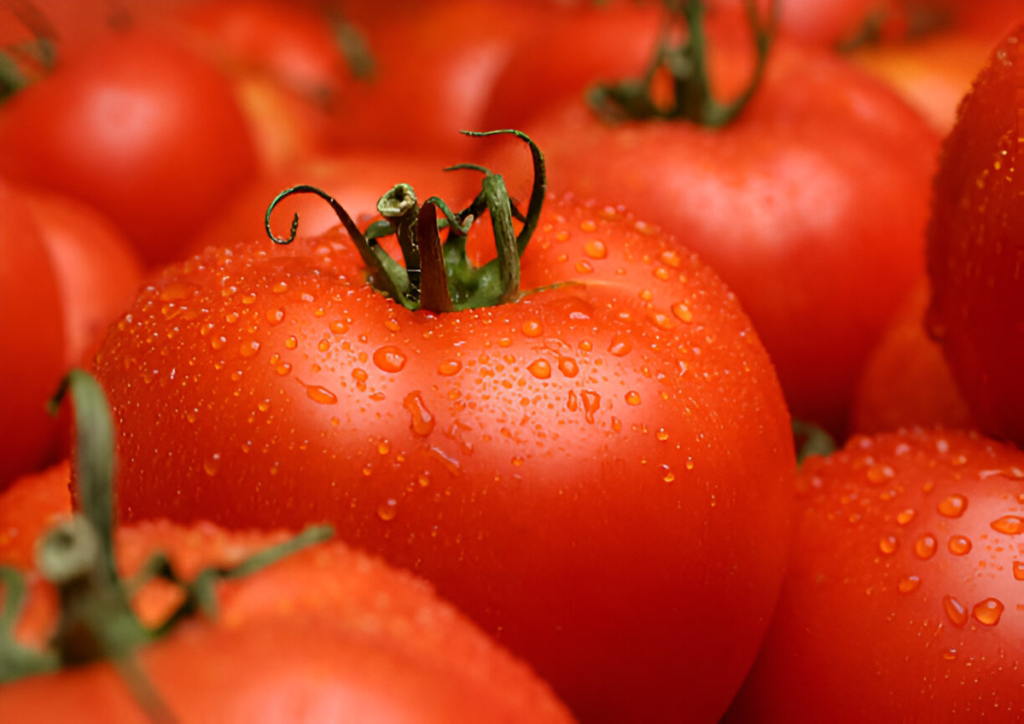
{"x":686,"y":63}
{"x":96,"y":620}
{"x":439,"y":277}
{"x":21,"y":64}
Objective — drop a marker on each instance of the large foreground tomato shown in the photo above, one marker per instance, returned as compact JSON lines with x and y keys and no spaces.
{"x":976,"y":246}
{"x":902,"y":599}
{"x":598,"y":472}
{"x":140,"y":128}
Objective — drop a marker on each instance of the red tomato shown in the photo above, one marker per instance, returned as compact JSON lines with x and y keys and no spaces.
{"x":434,"y":66}
{"x":140,"y":128}
{"x":906,"y":380}
{"x":31,"y":505}
{"x":32,"y":342}
{"x":976,"y":248}
{"x":902,"y":595}
{"x":586,"y":472}
{"x":65,"y":274}
{"x":811,"y":204}
{"x":326,"y":634}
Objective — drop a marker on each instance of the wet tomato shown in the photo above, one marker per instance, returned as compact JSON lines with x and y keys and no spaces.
{"x":902,"y":594}
{"x":976,"y":248}
{"x":586,"y":470}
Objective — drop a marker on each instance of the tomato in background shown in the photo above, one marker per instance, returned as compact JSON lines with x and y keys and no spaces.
{"x":140,"y":128}
{"x":976,"y":248}
{"x":902,"y":595}
{"x":587,"y":472}
{"x":28,"y":507}
{"x":811,"y":204}
{"x":65,"y":274}
{"x":906,"y":380}
{"x":34,"y":348}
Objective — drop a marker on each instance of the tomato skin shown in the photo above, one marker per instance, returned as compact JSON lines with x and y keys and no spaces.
{"x":141,"y":129}
{"x":906,"y":380}
{"x":976,"y":249}
{"x":32,"y":343}
{"x":885,"y":614}
{"x":811,"y":205}
{"x":325,"y":635}
{"x":586,"y":473}
{"x":28,"y":507}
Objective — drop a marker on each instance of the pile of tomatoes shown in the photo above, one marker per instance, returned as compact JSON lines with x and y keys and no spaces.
{"x":541,"y":379}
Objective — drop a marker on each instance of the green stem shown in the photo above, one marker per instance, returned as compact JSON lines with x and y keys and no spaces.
{"x":688,"y":65}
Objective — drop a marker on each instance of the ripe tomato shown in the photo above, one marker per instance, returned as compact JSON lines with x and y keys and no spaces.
{"x":31,"y":505}
{"x":586,"y":472}
{"x":811,"y":204}
{"x":32,"y":338}
{"x":976,"y":249}
{"x":902,"y":596}
{"x":326,"y":634}
{"x":140,"y":128}
{"x":906,"y":380}
{"x":65,"y":274}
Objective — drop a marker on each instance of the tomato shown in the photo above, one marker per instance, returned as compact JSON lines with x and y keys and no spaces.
{"x":32,"y":338}
{"x":811,"y":204}
{"x":31,"y":505}
{"x":140,"y":128}
{"x":900,"y":597}
{"x":976,"y":250}
{"x":588,"y":472}
{"x":434,"y":65}
{"x":65,"y":274}
{"x":326,"y":634}
{"x":906,"y":380}
{"x":355,"y":177}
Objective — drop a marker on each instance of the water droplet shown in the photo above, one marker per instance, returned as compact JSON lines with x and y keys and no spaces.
{"x":1018,"y":570}
{"x":908,"y":584}
{"x":176,"y":291}
{"x":924,"y":547}
{"x":1008,"y":524}
{"x":888,"y":544}
{"x":279,"y":287}
{"x":323,"y":345}
{"x":669,"y":477}
{"x":359,"y":375}
{"x":231,"y":317}
{"x":620,"y":346}
{"x":988,"y":611}
{"x":662,"y":434}
{"x":391,"y":324}
{"x":533,"y":328}
{"x":633,"y":398}
{"x":682,"y":312}
{"x":689,"y":463}
{"x":291,"y":342}
{"x":952,"y":506}
{"x":540,"y":368}
{"x":670,"y":258}
{"x":905,"y":516}
{"x":660,"y":320}
{"x":321,"y":395}
{"x":212,"y":464}
{"x":389,"y":358}
{"x":218,"y":342}
{"x":275,"y":316}
{"x":384,"y":447}
{"x":421,"y":418}
{"x":878,"y":474}
{"x":959,"y":545}
{"x":283,"y":369}
{"x":568,"y":367}
{"x":424,"y":480}
{"x":584,"y":267}
{"x":249,"y":349}
{"x":949,"y":654}
{"x":591,"y":403}
{"x":388,"y":510}
{"x":572,"y":402}
{"x":338,"y":327}
{"x":248,"y":298}
{"x":449,"y":367}
{"x":956,"y":612}
{"x":588,"y":225}
{"x":595,"y":249}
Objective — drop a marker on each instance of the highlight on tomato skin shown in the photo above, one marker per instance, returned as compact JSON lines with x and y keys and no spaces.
{"x":585,"y":471}
{"x":902,"y":598}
